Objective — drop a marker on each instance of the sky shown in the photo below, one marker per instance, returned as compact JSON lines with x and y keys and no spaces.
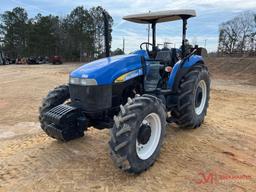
{"x":202,"y":30}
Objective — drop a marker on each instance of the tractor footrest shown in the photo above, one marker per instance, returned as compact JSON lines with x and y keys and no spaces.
{"x":65,"y":122}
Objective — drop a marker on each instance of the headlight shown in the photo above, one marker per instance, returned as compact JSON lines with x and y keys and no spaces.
{"x":129,"y":75}
{"x":75,"y":81}
{"x":82,"y":81}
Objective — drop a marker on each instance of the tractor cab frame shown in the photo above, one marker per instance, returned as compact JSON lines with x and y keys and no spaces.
{"x":159,"y":60}
{"x":160,"y":17}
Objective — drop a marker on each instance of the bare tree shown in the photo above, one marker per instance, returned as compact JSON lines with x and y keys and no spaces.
{"x":238,"y":35}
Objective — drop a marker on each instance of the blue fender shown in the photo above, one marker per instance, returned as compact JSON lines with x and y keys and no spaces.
{"x":106,"y":70}
{"x":189,"y":62}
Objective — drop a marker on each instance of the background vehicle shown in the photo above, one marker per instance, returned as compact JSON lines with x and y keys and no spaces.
{"x":56,"y":59}
{"x":134,"y":95}
{"x":41,"y":60}
{"x":10,"y":60}
{"x":37,"y":60}
{"x":32,"y":60}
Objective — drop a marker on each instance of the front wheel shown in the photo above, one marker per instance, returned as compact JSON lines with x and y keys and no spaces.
{"x":193,"y":98}
{"x":138,"y":133}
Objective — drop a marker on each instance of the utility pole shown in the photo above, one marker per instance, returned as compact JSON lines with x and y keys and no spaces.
{"x":205,"y":43}
{"x":123,"y":44}
{"x":148,"y":30}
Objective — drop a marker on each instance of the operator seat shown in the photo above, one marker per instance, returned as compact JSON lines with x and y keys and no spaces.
{"x":167,"y":57}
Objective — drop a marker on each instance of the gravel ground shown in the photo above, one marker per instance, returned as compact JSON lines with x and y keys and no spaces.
{"x":219,"y":156}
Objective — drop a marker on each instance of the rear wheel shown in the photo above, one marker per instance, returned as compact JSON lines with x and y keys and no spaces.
{"x":138,"y":133}
{"x":193,"y":98}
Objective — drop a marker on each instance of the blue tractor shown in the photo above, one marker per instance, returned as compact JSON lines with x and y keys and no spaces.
{"x":133,"y":95}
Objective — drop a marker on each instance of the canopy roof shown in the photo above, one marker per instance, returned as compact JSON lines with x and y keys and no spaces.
{"x":160,"y":16}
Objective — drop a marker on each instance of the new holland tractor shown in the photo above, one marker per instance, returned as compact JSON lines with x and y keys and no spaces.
{"x":133,"y":95}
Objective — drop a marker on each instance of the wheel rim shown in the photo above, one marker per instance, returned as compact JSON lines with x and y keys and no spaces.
{"x":146,"y":148}
{"x":200,"y":97}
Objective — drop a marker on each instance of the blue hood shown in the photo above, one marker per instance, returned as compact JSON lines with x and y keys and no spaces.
{"x":106,"y":70}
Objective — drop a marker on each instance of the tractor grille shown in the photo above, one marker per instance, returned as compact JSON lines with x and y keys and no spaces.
{"x":91,"y":98}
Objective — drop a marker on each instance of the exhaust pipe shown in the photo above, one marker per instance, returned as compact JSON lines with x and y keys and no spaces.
{"x":106,"y":34}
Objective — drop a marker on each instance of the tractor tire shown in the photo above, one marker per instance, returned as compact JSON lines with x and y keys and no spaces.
{"x":138,"y":133}
{"x":55,"y":97}
{"x":193,"y":98}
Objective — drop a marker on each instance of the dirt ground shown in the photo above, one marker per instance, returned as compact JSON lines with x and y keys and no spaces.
{"x":219,"y":156}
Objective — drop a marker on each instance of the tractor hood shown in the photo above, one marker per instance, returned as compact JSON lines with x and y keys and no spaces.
{"x":106,"y":70}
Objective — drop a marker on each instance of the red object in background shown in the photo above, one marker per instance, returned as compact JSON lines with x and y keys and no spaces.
{"x":56,"y":59}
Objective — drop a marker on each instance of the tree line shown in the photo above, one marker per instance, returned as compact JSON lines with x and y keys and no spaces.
{"x":79,"y":33}
{"x":238,"y":36}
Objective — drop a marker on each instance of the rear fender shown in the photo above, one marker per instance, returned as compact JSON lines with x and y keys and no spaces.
{"x":180,"y":69}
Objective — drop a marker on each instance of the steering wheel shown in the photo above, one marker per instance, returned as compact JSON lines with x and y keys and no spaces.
{"x":147,"y":46}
